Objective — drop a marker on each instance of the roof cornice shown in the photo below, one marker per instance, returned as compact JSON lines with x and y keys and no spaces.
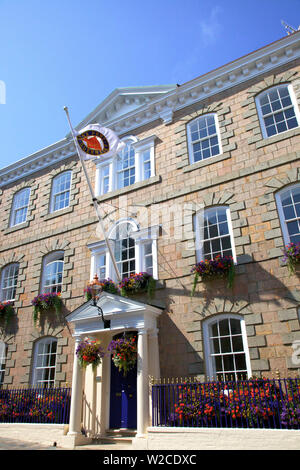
{"x":250,"y":66}
{"x":169,"y":99}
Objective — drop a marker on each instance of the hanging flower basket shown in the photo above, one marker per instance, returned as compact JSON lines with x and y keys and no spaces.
{"x":45,"y":302}
{"x":209,"y":269}
{"x":135,"y":283}
{"x":124,"y":353}
{"x":107,"y":285}
{"x":89,"y":352}
{"x":292,"y":256}
{"x":6,"y":311}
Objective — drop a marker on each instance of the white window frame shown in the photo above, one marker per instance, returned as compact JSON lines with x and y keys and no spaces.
{"x":199,"y":230}
{"x":294,"y":105}
{"x":140,"y":148}
{"x":190,"y":142}
{"x":14,"y":266}
{"x":48,"y":340}
{"x":141,"y":237}
{"x":54,"y":194}
{"x":283,"y":222}
{"x":15,"y":208}
{"x":55,"y":256}
{"x":209,"y":361}
{"x":3,"y":352}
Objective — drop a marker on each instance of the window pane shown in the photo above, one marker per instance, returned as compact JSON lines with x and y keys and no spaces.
{"x":224,"y":327}
{"x":216,"y":245}
{"x":213,"y":231}
{"x":228,"y":363}
{"x":289,"y":212}
{"x":225,"y":345}
{"x":240,"y":362}
{"x":286,"y":198}
{"x":237,"y":344}
{"x":293,"y":227}
{"x":235,"y":326}
{"x":292,"y":123}
{"x":271,"y":131}
{"x":223,"y":228}
{"x":216,"y":346}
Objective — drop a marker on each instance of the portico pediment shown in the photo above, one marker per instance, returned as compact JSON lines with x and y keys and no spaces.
{"x":124,"y":102}
{"x":123,"y":313}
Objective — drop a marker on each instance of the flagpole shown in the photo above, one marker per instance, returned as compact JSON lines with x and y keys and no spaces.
{"x":94,"y":199}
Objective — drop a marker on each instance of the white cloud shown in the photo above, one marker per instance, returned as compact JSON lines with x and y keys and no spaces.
{"x":210,"y":27}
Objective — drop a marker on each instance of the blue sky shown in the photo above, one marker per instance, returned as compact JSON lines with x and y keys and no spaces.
{"x":74,"y":53}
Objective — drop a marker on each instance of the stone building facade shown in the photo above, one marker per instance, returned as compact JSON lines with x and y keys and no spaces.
{"x":167,"y":183}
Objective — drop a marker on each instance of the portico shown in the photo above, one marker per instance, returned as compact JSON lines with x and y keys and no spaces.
{"x":125,"y":315}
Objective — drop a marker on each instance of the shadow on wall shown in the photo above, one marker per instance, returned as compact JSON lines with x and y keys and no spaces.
{"x":255,"y":292}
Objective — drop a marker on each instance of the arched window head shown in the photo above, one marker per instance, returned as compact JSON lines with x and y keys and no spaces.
{"x":9,"y":279}
{"x":288,"y":203}
{"x":203,"y":138}
{"x":52,"y":275}
{"x":19,"y":207}
{"x":60,"y":192}
{"x":44,"y":362}
{"x":277,"y":110}
{"x":226,"y":347}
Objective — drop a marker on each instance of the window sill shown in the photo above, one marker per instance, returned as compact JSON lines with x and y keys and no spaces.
{"x":277,"y":138}
{"x":208,"y":161}
{"x":128,"y":189}
{"x":16,"y":227}
{"x":58,"y":213}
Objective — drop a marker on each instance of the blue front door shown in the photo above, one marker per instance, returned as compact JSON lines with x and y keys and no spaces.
{"x":123,"y":403}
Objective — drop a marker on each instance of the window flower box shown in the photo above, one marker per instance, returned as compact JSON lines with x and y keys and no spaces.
{"x":216,"y":268}
{"x":44,"y":302}
{"x":89,"y":352}
{"x":106,"y":285}
{"x":124,"y":353}
{"x":6,"y":311}
{"x":292,"y":257}
{"x":137,"y":283}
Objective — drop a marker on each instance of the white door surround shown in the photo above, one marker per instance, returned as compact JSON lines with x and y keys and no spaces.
{"x":125,"y":315}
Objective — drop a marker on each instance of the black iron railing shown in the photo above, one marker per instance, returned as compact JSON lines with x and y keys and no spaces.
{"x":35,"y":405}
{"x":253,"y":403}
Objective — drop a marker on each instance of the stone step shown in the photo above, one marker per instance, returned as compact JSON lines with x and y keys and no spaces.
{"x":117,"y":436}
{"x":113,"y":440}
{"x":121,"y":432}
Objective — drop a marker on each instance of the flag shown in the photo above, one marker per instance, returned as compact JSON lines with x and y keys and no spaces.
{"x":96,"y":141}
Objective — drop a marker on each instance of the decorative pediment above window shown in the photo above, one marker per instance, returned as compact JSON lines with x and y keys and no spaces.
{"x":122,"y":312}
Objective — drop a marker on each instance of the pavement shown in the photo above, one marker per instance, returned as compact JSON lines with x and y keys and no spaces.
{"x":16,"y":444}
